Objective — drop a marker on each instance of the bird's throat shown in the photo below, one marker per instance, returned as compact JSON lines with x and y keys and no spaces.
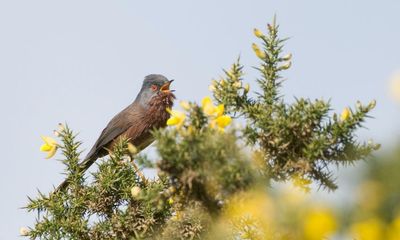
{"x":157,"y":111}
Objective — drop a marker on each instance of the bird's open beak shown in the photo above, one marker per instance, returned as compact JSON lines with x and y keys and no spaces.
{"x":165,"y":88}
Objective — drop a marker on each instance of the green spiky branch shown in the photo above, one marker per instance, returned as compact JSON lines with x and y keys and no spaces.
{"x":102,"y":208}
{"x":298,"y":139}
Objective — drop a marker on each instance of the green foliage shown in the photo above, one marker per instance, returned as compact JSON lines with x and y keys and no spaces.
{"x":298,"y":139}
{"x":379,"y":193}
{"x":202,"y":165}
{"x":102,"y":208}
{"x":374,"y":212}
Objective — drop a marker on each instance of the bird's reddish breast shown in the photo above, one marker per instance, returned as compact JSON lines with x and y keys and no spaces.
{"x":154,"y":117}
{"x":157,"y":112}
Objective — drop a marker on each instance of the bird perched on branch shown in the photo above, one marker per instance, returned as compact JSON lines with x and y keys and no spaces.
{"x":135,"y":122}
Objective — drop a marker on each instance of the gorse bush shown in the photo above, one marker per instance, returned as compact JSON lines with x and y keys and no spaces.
{"x":212,"y":177}
{"x":299,"y":139}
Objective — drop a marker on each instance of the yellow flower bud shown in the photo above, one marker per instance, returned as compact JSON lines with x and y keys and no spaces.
{"x":394,"y":86}
{"x":237,"y":84}
{"x":287,"y":57}
{"x":222,"y":82}
{"x":132,"y":149}
{"x":230,"y":74}
{"x":246,"y":88}
{"x":61,"y":128}
{"x":185,"y":105}
{"x":24,"y":231}
{"x":171,"y":189}
{"x":270,"y":27}
{"x":211,"y":88}
{"x":372,"y":104}
{"x":377,"y":146}
{"x":135,"y":191}
{"x":370,"y":142}
{"x":213,"y":85}
{"x":258,"y":33}
{"x":286,"y":66}
{"x":345,"y":114}
{"x":258,"y":51}
{"x":358,"y":105}
{"x":170,"y":201}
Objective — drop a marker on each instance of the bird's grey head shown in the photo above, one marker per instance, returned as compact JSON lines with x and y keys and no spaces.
{"x":153,"y":85}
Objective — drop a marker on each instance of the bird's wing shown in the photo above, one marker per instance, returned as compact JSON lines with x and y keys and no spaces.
{"x":117,"y":126}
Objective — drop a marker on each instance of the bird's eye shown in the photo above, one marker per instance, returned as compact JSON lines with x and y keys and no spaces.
{"x":154,"y":88}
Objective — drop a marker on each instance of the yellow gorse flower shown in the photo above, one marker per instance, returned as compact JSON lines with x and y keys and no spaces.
{"x":319,"y":223}
{"x":256,"y":208}
{"x":219,"y":110}
{"x":223,"y":121}
{"x":258,"y":51}
{"x":50,"y":146}
{"x":219,"y":120}
{"x":208,"y":106}
{"x":209,"y":109}
{"x":370,"y":229}
{"x":394,"y":229}
{"x":345,"y":114}
{"x":177,"y":118}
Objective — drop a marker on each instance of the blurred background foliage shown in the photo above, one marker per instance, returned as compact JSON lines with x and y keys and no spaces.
{"x":214,"y":178}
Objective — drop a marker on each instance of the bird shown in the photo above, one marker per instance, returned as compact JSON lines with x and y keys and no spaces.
{"x":147,"y":112}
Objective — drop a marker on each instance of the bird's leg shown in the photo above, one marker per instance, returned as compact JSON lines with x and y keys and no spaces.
{"x":137,"y":169}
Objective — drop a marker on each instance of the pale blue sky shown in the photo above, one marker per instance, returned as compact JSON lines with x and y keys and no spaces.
{"x":81,"y":62}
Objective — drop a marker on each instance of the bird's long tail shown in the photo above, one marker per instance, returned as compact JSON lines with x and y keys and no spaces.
{"x":82,"y":168}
